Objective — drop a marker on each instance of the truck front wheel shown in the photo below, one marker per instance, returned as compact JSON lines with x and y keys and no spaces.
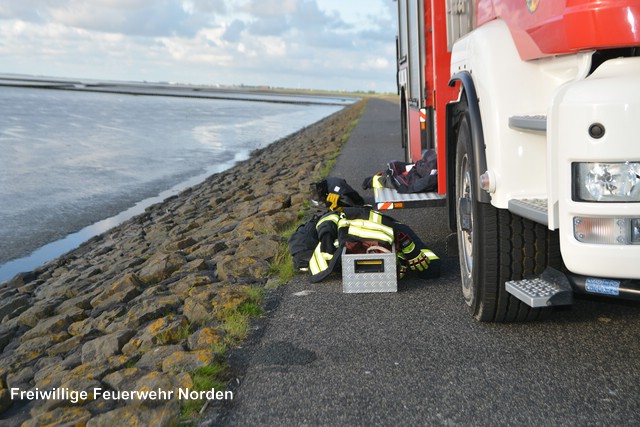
{"x":494,"y":245}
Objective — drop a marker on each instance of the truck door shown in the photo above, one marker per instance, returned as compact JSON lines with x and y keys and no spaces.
{"x":415,"y":26}
{"x":411,"y":72}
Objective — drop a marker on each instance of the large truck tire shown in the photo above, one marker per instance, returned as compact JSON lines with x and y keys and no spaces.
{"x":495,"y":246}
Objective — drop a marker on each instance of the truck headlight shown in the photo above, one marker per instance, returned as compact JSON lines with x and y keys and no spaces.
{"x":606,"y":182}
{"x":607,"y":231}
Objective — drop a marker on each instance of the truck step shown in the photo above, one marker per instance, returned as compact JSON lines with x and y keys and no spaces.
{"x":534,"y":209}
{"x":387,"y":199}
{"x":529,"y":123}
{"x":552,"y":288}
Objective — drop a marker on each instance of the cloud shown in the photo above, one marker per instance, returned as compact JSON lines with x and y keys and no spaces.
{"x":270,"y":8}
{"x":233,"y":33}
{"x":307,"y":43}
{"x":28,"y":10}
{"x":206,"y":6}
{"x":271,"y":26}
{"x":132,"y":17}
{"x":138,"y":17}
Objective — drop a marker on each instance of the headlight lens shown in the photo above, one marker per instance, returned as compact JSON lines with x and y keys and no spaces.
{"x":606,"y":182}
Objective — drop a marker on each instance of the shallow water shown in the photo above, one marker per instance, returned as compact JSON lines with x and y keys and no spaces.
{"x":71,"y":159}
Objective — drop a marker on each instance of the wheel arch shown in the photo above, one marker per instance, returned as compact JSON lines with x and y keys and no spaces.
{"x":467,"y":101}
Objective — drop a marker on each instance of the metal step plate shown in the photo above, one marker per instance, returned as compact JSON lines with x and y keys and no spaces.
{"x":529,"y":123}
{"x":387,"y":199}
{"x":550,"y":289}
{"x":534,"y":209}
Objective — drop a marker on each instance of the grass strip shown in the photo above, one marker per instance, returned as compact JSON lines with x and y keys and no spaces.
{"x":236,"y":322}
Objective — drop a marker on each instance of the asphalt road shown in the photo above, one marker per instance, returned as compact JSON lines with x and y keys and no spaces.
{"x":321,"y":357}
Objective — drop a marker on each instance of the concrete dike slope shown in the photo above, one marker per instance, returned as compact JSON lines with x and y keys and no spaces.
{"x":115,"y":329}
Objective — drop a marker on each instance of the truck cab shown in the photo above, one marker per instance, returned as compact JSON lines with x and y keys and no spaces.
{"x":533,"y":108}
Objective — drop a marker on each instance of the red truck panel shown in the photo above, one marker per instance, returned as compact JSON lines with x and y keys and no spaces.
{"x":551,"y":27}
{"x":438,"y":69}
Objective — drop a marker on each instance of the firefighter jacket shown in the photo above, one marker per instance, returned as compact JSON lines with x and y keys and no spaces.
{"x":336,"y":230}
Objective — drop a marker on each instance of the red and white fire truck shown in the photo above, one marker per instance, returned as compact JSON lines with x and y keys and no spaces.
{"x":533,"y":107}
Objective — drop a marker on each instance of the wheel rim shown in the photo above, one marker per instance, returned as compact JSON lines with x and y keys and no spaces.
{"x":465,"y":228}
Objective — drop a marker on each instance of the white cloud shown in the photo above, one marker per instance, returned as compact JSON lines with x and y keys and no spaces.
{"x":205,"y":6}
{"x":270,"y":8}
{"x":203,"y":49}
{"x":376,"y":64}
{"x":309,"y":43}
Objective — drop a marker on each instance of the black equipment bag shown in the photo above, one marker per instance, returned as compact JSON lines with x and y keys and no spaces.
{"x":302,"y":244}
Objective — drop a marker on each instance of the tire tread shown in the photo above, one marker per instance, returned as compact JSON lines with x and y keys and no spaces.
{"x":522,"y":249}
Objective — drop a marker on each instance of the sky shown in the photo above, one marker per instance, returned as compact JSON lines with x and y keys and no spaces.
{"x":311,"y":44}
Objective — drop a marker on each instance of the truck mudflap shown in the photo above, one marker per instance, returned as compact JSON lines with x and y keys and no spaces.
{"x":387,"y":199}
{"x":554,"y":288}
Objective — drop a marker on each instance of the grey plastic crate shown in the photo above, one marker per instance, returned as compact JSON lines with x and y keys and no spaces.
{"x":369,"y":272}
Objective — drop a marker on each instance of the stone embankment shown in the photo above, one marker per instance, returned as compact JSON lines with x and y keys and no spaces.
{"x":140,"y":306}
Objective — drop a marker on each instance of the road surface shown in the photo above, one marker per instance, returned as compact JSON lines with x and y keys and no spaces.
{"x":321,"y":357}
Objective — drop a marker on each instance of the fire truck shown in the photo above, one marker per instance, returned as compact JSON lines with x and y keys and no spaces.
{"x":533,"y":108}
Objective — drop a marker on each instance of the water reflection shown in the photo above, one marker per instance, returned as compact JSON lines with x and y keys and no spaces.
{"x":70,"y":160}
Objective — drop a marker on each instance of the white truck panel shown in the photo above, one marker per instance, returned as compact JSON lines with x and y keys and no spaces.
{"x":610,"y":96}
{"x":506,"y":87}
